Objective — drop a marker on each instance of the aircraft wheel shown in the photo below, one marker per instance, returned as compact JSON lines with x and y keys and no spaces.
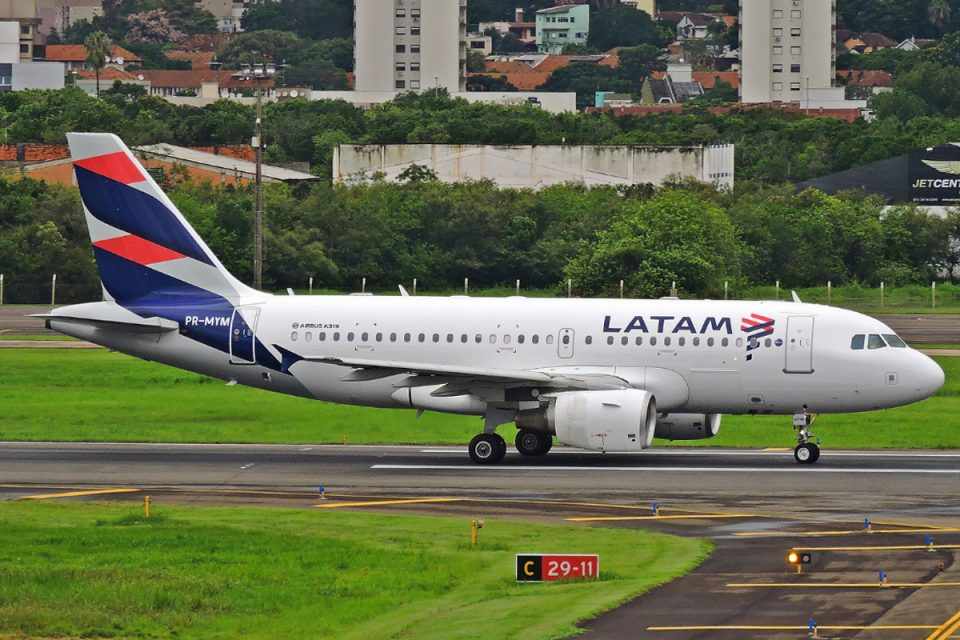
{"x":487,"y":448}
{"x":807,"y":453}
{"x":532,"y":443}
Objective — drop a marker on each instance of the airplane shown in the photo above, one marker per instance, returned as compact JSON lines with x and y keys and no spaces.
{"x":600,"y":375}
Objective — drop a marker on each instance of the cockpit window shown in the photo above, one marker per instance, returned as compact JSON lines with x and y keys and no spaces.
{"x":894,"y":341}
{"x":875,"y":342}
{"x":858,"y":341}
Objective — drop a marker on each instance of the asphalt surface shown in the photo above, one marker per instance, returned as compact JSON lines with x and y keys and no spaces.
{"x":754,"y":505}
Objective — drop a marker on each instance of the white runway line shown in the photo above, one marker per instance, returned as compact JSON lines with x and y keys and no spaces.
{"x":725,"y":452}
{"x":450,"y":467}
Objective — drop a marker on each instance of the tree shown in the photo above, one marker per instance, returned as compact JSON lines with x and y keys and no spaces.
{"x":98,"y":52}
{"x":622,"y":26}
{"x":475,"y":62}
{"x":258,"y":46}
{"x":636,"y":64}
{"x":939,"y":12}
{"x":585,"y":79}
{"x":151,"y":27}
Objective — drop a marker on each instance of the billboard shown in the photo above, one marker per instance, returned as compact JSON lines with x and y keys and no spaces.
{"x":935,"y":175}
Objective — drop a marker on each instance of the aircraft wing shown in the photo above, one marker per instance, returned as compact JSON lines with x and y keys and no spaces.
{"x":457,"y":378}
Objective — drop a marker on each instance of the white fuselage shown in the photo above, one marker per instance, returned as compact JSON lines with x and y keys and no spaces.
{"x":695,"y":356}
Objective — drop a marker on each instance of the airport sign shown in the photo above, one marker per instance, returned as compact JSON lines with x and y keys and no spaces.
{"x":541,"y":567}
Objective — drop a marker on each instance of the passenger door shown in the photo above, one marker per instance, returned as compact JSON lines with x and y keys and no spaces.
{"x":565,"y":343}
{"x":799,"y":351}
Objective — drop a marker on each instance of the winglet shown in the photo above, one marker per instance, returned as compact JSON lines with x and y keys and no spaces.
{"x":794,"y":295}
{"x":288,"y":358}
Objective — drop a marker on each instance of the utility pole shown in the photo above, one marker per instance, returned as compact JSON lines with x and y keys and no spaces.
{"x":258,"y":73}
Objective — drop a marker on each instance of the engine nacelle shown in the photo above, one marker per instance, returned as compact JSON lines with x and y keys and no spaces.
{"x":616,"y":420}
{"x":688,"y":426}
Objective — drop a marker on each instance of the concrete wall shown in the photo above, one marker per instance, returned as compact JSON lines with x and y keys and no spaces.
{"x":38,"y":75}
{"x":440,"y":45}
{"x":374,"y":45}
{"x":539,"y":166}
{"x":9,"y":42}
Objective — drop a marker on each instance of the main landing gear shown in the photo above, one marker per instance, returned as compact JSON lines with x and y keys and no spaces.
{"x":533,"y":443}
{"x":487,"y":448}
{"x":808,"y":448}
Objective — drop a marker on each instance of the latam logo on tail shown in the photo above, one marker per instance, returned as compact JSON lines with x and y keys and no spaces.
{"x":756,"y":327}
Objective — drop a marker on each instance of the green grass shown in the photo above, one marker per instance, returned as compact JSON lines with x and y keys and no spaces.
{"x":42,"y":337}
{"x":95,"y":395}
{"x":101,"y":570}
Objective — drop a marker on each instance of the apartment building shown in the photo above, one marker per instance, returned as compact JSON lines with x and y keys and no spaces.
{"x":26,"y":13}
{"x":787,"y":49}
{"x":410,"y":45}
{"x":562,"y":25}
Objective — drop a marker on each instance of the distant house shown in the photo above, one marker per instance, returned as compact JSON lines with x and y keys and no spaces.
{"x":563,"y":25}
{"x":695,"y":26}
{"x":915,"y":44}
{"x":87,"y":79}
{"x":522,"y":30}
{"x":201,"y":82}
{"x":676,"y":86}
{"x":479,"y":43}
{"x":74,"y":56}
{"x":864,"y":83}
{"x":650,"y":6}
{"x":868,"y":42}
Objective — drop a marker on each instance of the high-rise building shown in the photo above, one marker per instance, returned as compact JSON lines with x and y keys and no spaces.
{"x":410,"y":45}
{"x":787,"y":49}
{"x":27,"y":14}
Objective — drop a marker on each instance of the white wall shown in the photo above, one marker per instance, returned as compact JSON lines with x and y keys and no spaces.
{"x":440,"y":45}
{"x":539,"y":166}
{"x":550,"y":102}
{"x":374,"y":48}
{"x":9,"y":42}
{"x":755,"y":50}
{"x":38,"y":75}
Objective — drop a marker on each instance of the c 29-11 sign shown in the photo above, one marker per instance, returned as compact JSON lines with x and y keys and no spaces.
{"x":541,"y":567}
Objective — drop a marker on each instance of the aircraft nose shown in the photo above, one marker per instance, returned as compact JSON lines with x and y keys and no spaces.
{"x":929,"y":376}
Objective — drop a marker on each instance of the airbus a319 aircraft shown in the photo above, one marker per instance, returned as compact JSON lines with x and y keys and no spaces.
{"x":603,"y":375}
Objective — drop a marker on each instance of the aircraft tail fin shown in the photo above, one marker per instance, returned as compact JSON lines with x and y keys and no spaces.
{"x":146,"y":251}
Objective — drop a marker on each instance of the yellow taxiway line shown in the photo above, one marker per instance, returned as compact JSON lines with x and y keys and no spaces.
{"x":76,"y":494}
{"x":891,"y":627}
{"x":705,"y":516}
{"x":384,"y":503}
{"x":947,"y":629}
{"x":839,"y":585}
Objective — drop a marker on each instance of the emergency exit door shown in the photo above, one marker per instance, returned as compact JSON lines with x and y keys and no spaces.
{"x":565,"y":343}
{"x":799,"y":351}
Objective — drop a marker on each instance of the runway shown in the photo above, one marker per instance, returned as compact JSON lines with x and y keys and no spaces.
{"x":754,"y":505}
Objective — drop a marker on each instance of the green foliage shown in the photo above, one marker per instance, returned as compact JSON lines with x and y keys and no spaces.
{"x":585,"y":79}
{"x":622,"y":26}
{"x":677,"y":236}
{"x":313,"y":19}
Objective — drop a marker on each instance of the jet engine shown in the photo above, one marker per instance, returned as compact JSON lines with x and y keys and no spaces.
{"x":688,"y":426}
{"x":615,"y":420}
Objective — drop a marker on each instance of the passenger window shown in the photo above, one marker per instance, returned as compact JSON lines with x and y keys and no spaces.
{"x":550,"y":339}
{"x":393,"y":337}
{"x":653,"y":341}
{"x":857,"y":343}
{"x":739,"y":342}
{"x":588,"y":340}
{"x":506,"y":338}
{"x":464,"y":338}
{"x":321,"y":336}
{"x":421,"y":337}
{"x":682,"y":341}
{"x":696,"y":342}
{"x":449,"y":337}
{"x":293,"y":336}
{"x":478,"y":338}
{"x":436,"y":337}
{"x":767,"y":342}
{"x":566,"y":339}
{"x":535,"y":339}
{"x":710,"y":342}
{"x":725,"y":342}
{"x":379,"y":337}
{"x":609,"y":339}
{"x":493,"y":339}
{"x":666,"y":341}
{"x":639,"y":340}
{"x":875,"y":342}
{"x":336,"y":336}
{"x":520,"y":339}
{"x":624,"y":340}
{"x":350,"y":337}
{"x":894,"y":341}
{"x":364,"y":337}
{"x":308,"y":336}
{"x":406,"y":337}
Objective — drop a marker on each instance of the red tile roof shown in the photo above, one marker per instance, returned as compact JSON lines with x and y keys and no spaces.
{"x":197,"y":59}
{"x":708,"y":78}
{"x":193,"y":78}
{"x":78,"y":53}
{"x":108,"y":73}
{"x":34,"y":152}
{"x":868,"y":78}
